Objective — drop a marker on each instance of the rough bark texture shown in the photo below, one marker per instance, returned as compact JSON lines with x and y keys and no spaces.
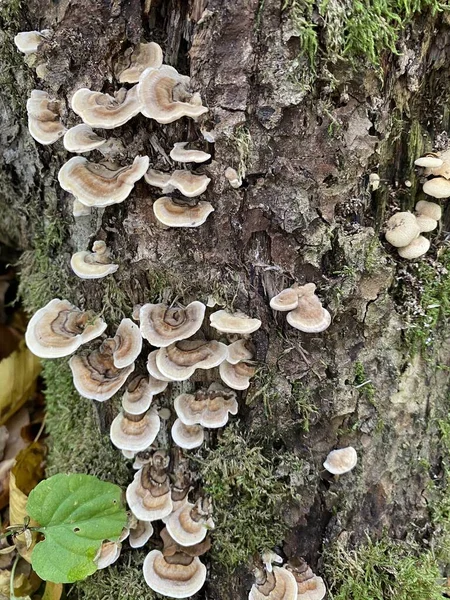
{"x":305,"y":213}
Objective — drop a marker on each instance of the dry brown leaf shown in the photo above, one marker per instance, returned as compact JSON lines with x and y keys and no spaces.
{"x":25,"y":580}
{"x":18,"y":374}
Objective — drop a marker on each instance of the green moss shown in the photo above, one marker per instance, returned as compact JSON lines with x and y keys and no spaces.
{"x":115,"y":302}
{"x":363,"y":383}
{"x":303,"y":404}
{"x":122,"y":581}
{"x":243,"y":143}
{"x":301,"y":12}
{"x":248,"y":493}
{"x":383,"y":570}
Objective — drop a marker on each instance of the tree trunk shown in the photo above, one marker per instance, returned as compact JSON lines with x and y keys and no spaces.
{"x":305,"y":132}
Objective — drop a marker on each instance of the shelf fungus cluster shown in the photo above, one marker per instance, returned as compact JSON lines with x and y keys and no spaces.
{"x":93,"y":265}
{"x":436,"y":165}
{"x":44,"y":118}
{"x":404,"y":229}
{"x":305,"y":311}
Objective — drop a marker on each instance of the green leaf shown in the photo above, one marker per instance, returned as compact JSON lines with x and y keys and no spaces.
{"x":76,"y":513}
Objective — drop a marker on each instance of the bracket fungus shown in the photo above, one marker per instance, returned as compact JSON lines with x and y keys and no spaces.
{"x":181,"y":213}
{"x":165,"y":96}
{"x":128,"y":344}
{"x":28,"y":42}
{"x":438,"y":187}
{"x":180,"y":360}
{"x":93,"y":265}
{"x":60,"y":328}
{"x":401,"y":229}
{"x":177,"y":576}
{"x":237,"y":322}
{"x":80,"y":210}
{"x":94,"y":374}
{"x":209,"y":408}
{"x":189,"y":184}
{"x":102,"y":110}
{"x":180,"y":153}
{"x":140,"y":534}
{"x":148,"y":495}
{"x":233,"y":177}
{"x":135,"y":432}
{"x":82,"y":138}
{"x":162,"y":325}
{"x":152,"y":368}
{"x":237,"y":376}
{"x":437,"y":164}
{"x":429,"y":161}
{"x":44,"y":122}
{"x":416,"y":248}
{"x":429,"y":209}
{"x":190,"y":524}
{"x":279,"y":584}
{"x":107,"y":554}
{"x":309,"y":585}
{"x":240,"y":350}
{"x":159,"y":179}
{"x":309,"y":316}
{"x":341,"y":461}
{"x":139,"y":393}
{"x":286,"y":300}
{"x":96,"y":185}
{"x":143,"y":56}
{"x":187,"y":436}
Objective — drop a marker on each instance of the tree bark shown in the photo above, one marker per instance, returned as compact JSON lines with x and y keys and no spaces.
{"x":305,"y":213}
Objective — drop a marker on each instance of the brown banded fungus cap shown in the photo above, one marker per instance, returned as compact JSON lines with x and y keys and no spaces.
{"x":171,"y":547}
{"x":401,"y":229}
{"x":60,"y":328}
{"x":107,"y":554}
{"x":209,"y":408}
{"x":94,"y":374}
{"x":28,"y":42}
{"x":96,"y":185}
{"x":128,"y":344}
{"x":416,"y":248}
{"x":144,"y":56}
{"x":139,"y":393}
{"x":82,"y":138}
{"x":161,"y":325}
{"x":102,"y":110}
{"x":140,"y":534}
{"x":309,"y":316}
{"x":180,"y":153}
{"x":44,"y":122}
{"x":233,"y":177}
{"x":148,"y":496}
{"x":240,"y":350}
{"x":237,"y":376}
{"x":180,"y":360}
{"x":438,"y":187}
{"x":237,"y":322}
{"x":279,"y":584}
{"x":152,"y":368}
{"x":285,"y":300}
{"x":93,"y":265}
{"x":159,"y":179}
{"x":187,"y":436}
{"x":178,"y":576}
{"x":79,"y":209}
{"x":135,"y":432}
{"x":189,"y":524}
{"x":341,"y":461}
{"x":309,"y":585}
{"x":189,"y":184}
{"x":165,"y":97}
{"x":174,"y":213}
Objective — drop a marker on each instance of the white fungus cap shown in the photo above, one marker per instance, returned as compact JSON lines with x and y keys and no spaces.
{"x":237,"y":376}
{"x":140,"y":534}
{"x":144,"y":505}
{"x":187,"y":436}
{"x":128,"y":433}
{"x":341,"y":461}
{"x":190,"y":523}
{"x":237,"y":322}
{"x":173,"y":580}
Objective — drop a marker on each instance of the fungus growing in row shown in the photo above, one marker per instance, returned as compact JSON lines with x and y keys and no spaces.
{"x":140,"y":534}
{"x":60,"y":328}
{"x":152,"y":368}
{"x":128,"y":344}
{"x":148,"y":495}
{"x":309,"y":316}
{"x":240,"y":350}
{"x":309,"y":585}
{"x":171,"y":547}
{"x":80,"y":210}
{"x":28,"y":42}
{"x":96,"y":185}
{"x":93,"y":265}
{"x":180,"y":153}
{"x":416,"y":248}
{"x":438,"y":187}
{"x":341,"y":461}
{"x":161,"y":325}
{"x":44,"y":122}
{"x":82,"y":138}
{"x":135,"y":432}
{"x":159,"y":179}
{"x":94,"y":374}
{"x":143,"y":56}
{"x":189,"y":184}
{"x":139,"y":393}
{"x":107,"y":554}
{"x":102,"y":110}
{"x":237,"y":322}
{"x":209,"y":408}
{"x":177,"y":576}
{"x":286,"y":300}
{"x":233,"y":177}
{"x":402,"y":229}
{"x":180,"y":360}
{"x":182,"y":482}
{"x":163,"y":93}
{"x":189,"y":524}
{"x":237,"y":376}
{"x":187,"y":436}
{"x":437,"y":164}
{"x":181,"y":213}
{"x":279,"y":584}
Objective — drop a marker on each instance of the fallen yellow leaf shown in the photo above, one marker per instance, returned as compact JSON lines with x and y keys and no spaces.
{"x":18,"y":374}
{"x":53,"y":591}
